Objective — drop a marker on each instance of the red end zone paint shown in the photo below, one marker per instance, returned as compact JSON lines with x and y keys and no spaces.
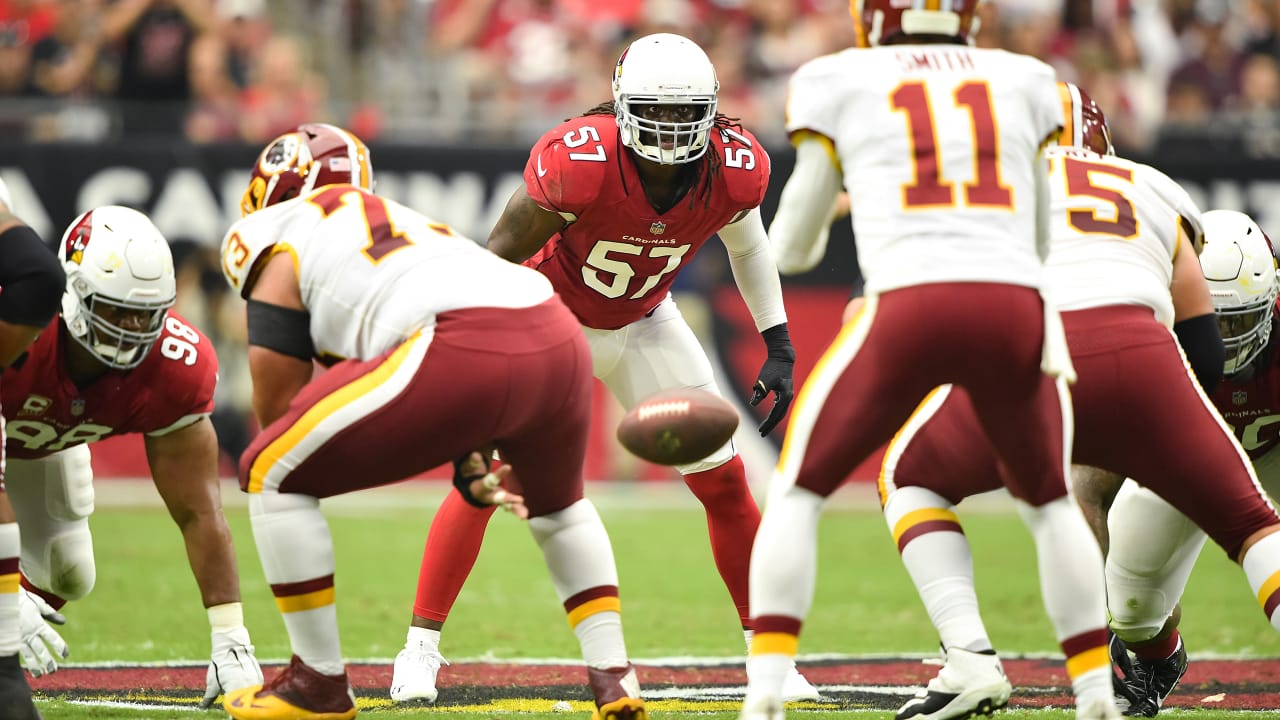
{"x":1244,"y":684}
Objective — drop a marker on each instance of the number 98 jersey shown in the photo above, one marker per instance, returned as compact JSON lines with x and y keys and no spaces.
{"x":937,"y":145}
{"x":45,"y":412}
{"x":617,"y":257}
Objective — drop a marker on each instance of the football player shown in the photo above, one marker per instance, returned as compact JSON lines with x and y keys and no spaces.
{"x":32,"y":281}
{"x":1153,"y":546}
{"x":426,"y":335}
{"x":615,"y":203}
{"x":1125,"y":274}
{"x":939,"y":146}
{"x":118,"y":360}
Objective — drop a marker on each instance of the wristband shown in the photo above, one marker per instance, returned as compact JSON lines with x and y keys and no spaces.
{"x":226,"y":617}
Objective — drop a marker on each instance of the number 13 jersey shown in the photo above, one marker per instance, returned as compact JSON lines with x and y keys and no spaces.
{"x":936,"y":144}
{"x":617,"y":257}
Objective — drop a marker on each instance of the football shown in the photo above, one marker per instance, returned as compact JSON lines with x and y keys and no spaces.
{"x":677,"y":427}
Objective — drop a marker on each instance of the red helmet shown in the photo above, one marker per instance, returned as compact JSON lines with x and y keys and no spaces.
{"x":298,"y":162}
{"x":1084,"y":125}
{"x":879,"y":21}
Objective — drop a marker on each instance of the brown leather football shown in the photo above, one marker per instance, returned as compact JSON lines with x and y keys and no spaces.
{"x":677,"y":427}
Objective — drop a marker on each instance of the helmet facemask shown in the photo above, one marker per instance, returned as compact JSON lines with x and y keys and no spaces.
{"x":666,"y":142}
{"x":1245,"y":330}
{"x":119,"y":333}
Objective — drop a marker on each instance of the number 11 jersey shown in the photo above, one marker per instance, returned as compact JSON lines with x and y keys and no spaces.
{"x":616,"y":258}
{"x":936,"y":144}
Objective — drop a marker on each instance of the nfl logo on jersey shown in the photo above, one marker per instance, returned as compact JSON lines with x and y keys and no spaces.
{"x":657,"y":228}
{"x":77,"y":407}
{"x":1239,"y":397}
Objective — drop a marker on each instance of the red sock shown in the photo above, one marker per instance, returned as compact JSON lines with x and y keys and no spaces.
{"x":55,"y":601}
{"x":732,"y":520}
{"x":1158,"y":649}
{"x":453,"y":544}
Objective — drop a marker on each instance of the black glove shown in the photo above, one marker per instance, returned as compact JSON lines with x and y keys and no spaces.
{"x":775,"y":376}
{"x":468,"y":468}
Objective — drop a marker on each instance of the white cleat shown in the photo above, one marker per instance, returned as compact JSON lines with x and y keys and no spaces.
{"x":969,"y":684}
{"x":1100,"y":709}
{"x":762,"y":708}
{"x":414,"y":676}
{"x":795,"y":687}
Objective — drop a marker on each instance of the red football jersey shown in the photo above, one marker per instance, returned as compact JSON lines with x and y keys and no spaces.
{"x":617,"y":260}
{"x":45,"y":412}
{"x":1252,"y":407}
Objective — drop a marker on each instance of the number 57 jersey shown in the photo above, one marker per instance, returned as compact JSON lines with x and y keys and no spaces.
{"x":616,"y":258}
{"x":937,"y":145}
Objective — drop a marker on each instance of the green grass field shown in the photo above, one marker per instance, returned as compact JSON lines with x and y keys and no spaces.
{"x":146,"y":607}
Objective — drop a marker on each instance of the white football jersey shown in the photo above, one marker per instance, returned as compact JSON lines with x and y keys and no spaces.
{"x":373,"y":272}
{"x":1116,"y":226}
{"x":937,"y":144}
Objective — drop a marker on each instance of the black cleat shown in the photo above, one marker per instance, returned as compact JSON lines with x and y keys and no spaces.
{"x":1157,"y":680}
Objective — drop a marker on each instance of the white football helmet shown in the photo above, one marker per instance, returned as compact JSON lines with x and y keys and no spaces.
{"x":120,"y":284}
{"x":665,"y":69}
{"x":1240,"y":265}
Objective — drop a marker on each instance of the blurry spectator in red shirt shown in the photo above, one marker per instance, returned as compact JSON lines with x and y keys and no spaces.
{"x":284,"y":94}
{"x":23,"y":23}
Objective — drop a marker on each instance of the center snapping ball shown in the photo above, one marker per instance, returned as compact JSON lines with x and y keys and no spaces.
{"x":677,"y":427}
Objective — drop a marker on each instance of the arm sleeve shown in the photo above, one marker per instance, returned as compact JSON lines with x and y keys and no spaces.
{"x":1201,"y":341}
{"x":799,"y":231}
{"x":31,"y":279}
{"x":753,"y":269}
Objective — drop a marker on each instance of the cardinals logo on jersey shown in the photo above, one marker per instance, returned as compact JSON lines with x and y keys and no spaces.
{"x":78,"y":238}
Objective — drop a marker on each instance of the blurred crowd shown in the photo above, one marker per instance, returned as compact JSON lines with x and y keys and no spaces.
{"x":504,"y":70}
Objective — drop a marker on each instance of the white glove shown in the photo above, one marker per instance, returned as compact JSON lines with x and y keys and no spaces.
{"x":232,"y":667}
{"x":41,"y":644}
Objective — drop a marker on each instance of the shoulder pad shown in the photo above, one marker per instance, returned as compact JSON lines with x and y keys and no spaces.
{"x":745,"y":165}
{"x":569,"y":165}
{"x":184,"y":369}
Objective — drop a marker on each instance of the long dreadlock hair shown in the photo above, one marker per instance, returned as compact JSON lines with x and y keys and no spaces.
{"x":706,"y":171}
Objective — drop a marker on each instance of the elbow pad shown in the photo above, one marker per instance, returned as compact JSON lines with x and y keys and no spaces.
{"x":1202,"y":344}
{"x":31,"y":279}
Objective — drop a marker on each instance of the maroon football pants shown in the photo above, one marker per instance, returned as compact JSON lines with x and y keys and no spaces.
{"x":518,"y":378}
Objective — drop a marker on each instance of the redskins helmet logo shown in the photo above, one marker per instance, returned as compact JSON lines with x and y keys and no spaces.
{"x":78,"y":239}
{"x":280,"y":155}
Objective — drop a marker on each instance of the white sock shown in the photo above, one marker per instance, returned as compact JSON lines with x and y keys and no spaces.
{"x":940,"y":564}
{"x":1070,"y":564}
{"x":295,"y":546}
{"x":10,"y":627}
{"x":784,"y":558}
{"x":766,"y":674}
{"x":1093,"y":686}
{"x":424,"y":638}
{"x":600,"y":637}
{"x":1262,"y":567}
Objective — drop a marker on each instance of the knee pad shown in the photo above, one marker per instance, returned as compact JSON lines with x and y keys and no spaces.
{"x":69,"y":494}
{"x":65,"y":565}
